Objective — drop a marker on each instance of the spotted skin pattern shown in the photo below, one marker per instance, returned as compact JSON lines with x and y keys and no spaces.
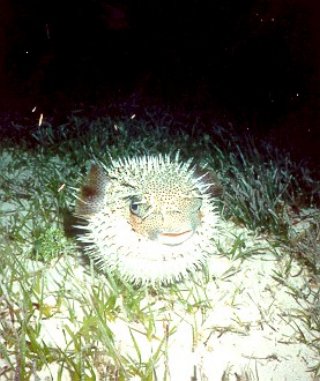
{"x":148,"y":219}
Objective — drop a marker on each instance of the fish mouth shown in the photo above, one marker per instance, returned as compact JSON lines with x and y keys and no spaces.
{"x":174,"y":238}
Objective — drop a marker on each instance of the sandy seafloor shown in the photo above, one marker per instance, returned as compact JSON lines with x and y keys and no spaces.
{"x":253,"y":329}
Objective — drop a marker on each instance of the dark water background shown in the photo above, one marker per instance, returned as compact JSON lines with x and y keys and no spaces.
{"x":254,"y":63}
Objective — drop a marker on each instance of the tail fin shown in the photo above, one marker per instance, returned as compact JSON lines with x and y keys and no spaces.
{"x":93,"y":192}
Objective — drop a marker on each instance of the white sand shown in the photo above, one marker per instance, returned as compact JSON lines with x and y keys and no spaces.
{"x":251,"y":330}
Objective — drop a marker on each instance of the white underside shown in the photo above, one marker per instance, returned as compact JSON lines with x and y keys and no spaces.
{"x":116,"y":248}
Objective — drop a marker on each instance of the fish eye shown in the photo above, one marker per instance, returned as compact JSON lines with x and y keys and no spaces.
{"x":139,"y":208}
{"x":197,"y":204}
{"x":135,"y":206}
